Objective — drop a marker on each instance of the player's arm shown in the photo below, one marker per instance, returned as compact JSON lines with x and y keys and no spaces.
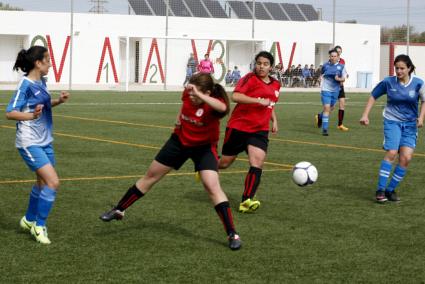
{"x":64,"y":96}
{"x":21,"y":116}
{"x":244,"y":99}
{"x":420,"y":121}
{"x":275,"y":127}
{"x":214,"y":103}
{"x":364,"y":120}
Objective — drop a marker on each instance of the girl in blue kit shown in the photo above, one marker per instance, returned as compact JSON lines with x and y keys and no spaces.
{"x":31,"y":106}
{"x":401,"y":122}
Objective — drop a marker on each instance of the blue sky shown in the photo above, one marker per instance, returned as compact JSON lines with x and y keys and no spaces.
{"x":383,"y":12}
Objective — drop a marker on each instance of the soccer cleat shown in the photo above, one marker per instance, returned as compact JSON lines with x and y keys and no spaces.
{"x":111,"y":215}
{"x":235,"y":242}
{"x":25,"y":224}
{"x":392,"y":196}
{"x":249,"y":206}
{"x":325,"y":133}
{"x":40,"y":234}
{"x":380,"y":196}
{"x":342,"y":128}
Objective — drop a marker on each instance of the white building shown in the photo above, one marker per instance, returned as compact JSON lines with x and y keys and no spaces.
{"x":100,"y":57}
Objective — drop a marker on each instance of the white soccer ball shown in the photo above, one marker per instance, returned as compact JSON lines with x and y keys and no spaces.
{"x":304,"y":173}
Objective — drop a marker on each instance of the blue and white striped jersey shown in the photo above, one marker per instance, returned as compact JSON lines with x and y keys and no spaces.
{"x":402,"y":100}
{"x":329,"y":71}
{"x":38,"y":131}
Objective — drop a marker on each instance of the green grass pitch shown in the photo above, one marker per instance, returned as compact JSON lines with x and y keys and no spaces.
{"x":331,"y":232}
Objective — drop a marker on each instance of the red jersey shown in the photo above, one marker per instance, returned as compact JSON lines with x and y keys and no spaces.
{"x":199,"y":123}
{"x":341,"y":61}
{"x":254,"y":117}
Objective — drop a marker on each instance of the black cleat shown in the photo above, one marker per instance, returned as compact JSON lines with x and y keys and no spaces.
{"x":111,"y":215}
{"x":235,"y":242}
{"x":325,"y":133}
{"x":380,"y":196}
{"x":392,"y":196}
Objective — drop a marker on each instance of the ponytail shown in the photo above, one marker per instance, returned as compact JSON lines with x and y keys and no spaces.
{"x":220,"y":92}
{"x":25,"y":61}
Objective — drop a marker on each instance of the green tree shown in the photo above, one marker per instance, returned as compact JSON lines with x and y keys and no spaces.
{"x":9,"y":8}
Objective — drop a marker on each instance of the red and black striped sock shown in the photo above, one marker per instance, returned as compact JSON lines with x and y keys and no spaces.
{"x":340,"y":116}
{"x":252,"y":181}
{"x":131,"y":196}
{"x":226,"y":217}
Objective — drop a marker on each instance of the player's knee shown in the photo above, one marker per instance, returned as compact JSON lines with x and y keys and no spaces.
{"x":405,"y":160}
{"x":53,"y":184}
{"x":391,"y":155}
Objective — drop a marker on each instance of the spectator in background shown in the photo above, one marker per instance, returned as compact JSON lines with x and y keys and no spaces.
{"x":312,"y":71}
{"x":236,"y":75}
{"x":228,"y":79}
{"x":289,"y":75}
{"x":297,"y":76}
{"x":306,"y":76}
{"x":189,"y":73}
{"x":206,"y":66}
{"x":317,"y":76}
{"x":192,"y":63}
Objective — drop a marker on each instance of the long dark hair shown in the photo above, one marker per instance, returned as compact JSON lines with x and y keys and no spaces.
{"x":26,"y":58}
{"x":206,"y":83}
{"x":406,"y":59}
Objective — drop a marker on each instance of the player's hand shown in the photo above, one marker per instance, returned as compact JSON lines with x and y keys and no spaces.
{"x":193,"y":90}
{"x":37,"y":111}
{"x":364,"y":120}
{"x":275,"y":128}
{"x":64,"y":96}
{"x":419,"y":123}
{"x":264,"y":102}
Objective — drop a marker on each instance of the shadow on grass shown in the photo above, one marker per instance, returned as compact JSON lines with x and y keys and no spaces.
{"x":153,"y":227}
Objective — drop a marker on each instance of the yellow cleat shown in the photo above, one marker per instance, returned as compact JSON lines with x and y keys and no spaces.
{"x":249,"y":206}
{"x":342,"y":128}
{"x":25,"y":224}
{"x":40,"y":234}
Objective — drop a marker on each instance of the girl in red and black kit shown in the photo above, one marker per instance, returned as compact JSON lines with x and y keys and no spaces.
{"x":195,"y":136}
{"x":248,"y":127}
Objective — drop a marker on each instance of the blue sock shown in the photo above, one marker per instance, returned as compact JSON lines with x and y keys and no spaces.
{"x":325,"y":122}
{"x":397,"y":177}
{"x":33,"y":203}
{"x":384,"y":173}
{"x":45,"y":203}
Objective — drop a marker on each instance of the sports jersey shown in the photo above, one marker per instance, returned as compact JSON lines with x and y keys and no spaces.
{"x":206,"y":66}
{"x":35,"y":132}
{"x":199,"y":124}
{"x":402,"y":100}
{"x":254,"y":117}
{"x":329,"y":71}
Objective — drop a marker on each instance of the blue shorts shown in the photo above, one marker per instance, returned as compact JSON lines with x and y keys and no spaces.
{"x":329,"y":98}
{"x":36,"y":156}
{"x":399,"y":134}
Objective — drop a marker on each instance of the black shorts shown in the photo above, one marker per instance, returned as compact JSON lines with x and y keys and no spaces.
{"x":173,"y":154}
{"x":341,"y":92}
{"x":236,"y":141}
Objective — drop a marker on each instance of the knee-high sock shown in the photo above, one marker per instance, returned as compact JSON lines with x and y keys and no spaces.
{"x":340,"y":117}
{"x":397,"y":177}
{"x":325,"y":122}
{"x":384,"y":173}
{"x":31,"y":213}
{"x":252,"y":180}
{"x":131,"y":196}
{"x":225,"y":213}
{"x":45,"y":203}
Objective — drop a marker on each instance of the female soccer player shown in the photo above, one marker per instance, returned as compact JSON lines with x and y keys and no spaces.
{"x":195,"y":136}
{"x":248,"y":127}
{"x":401,"y":123}
{"x":332,"y":72}
{"x":32,"y":106}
